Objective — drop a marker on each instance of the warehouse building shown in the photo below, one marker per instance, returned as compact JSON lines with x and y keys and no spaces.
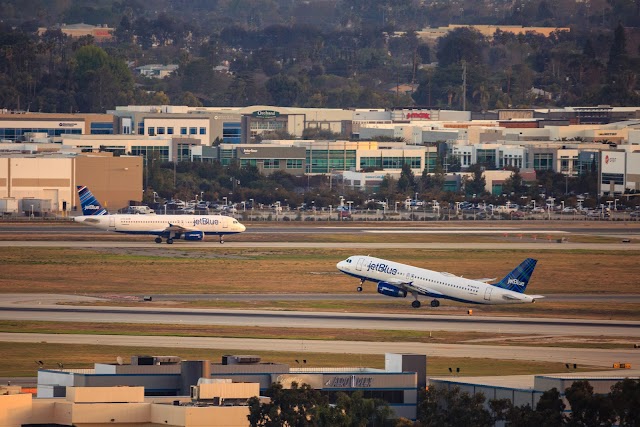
{"x":397,"y":384}
{"x":45,"y":184}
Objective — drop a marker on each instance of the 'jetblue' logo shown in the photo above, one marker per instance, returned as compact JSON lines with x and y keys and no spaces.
{"x":515,"y":282}
{"x":92,"y":207}
{"x":205,"y":221}
{"x":382,"y":268}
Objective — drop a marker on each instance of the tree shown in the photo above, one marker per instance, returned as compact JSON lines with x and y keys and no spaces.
{"x":440,"y":406}
{"x":103,"y":81}
{"x":284,"y":90}
{"x":514,"y":185}
{"x":588,"y":409}
{"x":476,"y":185}
{"x":625,"y":397}
{"x":407,"y":181}
{"x":295,"y":406}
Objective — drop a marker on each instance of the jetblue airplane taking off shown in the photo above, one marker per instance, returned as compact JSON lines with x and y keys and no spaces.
{"x":187,"y":227}
{"x":397,"y":280}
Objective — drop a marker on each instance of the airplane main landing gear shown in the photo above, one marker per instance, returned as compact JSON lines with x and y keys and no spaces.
{"x":158,"y":240}
{"x":435,"y":303}
{"x":169,"y":241}
{"x":415,"y":304}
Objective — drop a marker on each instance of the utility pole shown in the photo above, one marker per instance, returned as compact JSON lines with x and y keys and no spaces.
{"x":464,"y":85}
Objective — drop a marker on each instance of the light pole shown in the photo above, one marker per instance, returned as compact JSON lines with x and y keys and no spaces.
{"x":615,"y":204}
{"x":31,"y":211}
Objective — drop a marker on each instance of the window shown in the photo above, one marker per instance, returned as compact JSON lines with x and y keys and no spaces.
{"x":170,"y":131}
{"x":193,"y":131}
{"x":294,"y":163}
{"x":151,"y":131}
{"x":102,"y":128}
{"x":183,"y":131}
{"x":203,"y":131}
{"x":232,"y":133}
{"x":160,"y":130}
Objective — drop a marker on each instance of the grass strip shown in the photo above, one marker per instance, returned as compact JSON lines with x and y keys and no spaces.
{"x":19,"y":360}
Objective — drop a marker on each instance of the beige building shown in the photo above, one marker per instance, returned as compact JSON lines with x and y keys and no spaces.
{"x":221,"y":404}
{"x":46,"y":184}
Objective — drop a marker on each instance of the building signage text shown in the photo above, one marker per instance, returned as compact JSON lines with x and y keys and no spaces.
{"x":418,"y":115}
{"x":265,"y":114}
{"x":350,"y":381}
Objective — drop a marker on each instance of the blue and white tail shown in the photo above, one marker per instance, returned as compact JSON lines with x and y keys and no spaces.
{"x":518,"y":279}
{"x":90,"y":206}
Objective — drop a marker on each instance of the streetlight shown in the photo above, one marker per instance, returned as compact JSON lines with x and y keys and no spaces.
{"x":31,"y":211}
{"x":615,"y":204}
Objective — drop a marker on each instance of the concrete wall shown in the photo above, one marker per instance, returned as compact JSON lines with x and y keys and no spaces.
{"x":113,"y":180}
{"x":15,"y":409}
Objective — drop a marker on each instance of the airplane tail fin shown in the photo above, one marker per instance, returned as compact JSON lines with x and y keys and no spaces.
{"x":90,"y":205}
{"x":518,"y":279}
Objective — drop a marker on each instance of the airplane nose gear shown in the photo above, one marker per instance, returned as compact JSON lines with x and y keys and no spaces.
{"x":221,"y":240}
{"x":435,"y":303}
{"x":415,"y":304}
{"x":359,"y":288}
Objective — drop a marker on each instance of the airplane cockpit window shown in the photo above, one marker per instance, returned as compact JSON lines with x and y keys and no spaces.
{"x":349,"y":260}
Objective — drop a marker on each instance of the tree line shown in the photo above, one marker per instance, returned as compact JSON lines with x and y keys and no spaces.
{"x":355,"y":60}
{"x":303,"y":406}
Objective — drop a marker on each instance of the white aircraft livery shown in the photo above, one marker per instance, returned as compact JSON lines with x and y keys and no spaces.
{"x":398,"y":280}
{"x":170,"y":227}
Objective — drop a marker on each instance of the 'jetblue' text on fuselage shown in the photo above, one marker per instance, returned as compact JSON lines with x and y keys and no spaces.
{"x":205,"y":221}
{"x":382,"y":268}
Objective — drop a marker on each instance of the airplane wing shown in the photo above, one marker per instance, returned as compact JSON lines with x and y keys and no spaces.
{"x":173,"y":228}
{"x":412,"y":288}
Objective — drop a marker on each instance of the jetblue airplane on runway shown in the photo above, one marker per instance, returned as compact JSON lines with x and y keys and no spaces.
{"x":187,"y":227}
{"x":397,"y":280}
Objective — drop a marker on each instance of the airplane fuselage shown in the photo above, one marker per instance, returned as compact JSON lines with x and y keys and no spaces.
{"x":415,"y":280}
{"x":157,"y":224}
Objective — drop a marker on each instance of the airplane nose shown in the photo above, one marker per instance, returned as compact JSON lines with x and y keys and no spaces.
{"x":340,"y":265}
{"x":242,"y":227}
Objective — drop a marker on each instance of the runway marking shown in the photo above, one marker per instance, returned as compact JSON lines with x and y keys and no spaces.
{"x":459,"y":231}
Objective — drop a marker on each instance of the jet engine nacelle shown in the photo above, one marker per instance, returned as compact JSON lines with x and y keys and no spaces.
{"x":390,"y":290}
{"x":193,"y":235}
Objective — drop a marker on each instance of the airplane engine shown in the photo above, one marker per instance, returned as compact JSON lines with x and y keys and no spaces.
{"x":390,"y":290}
{"x":193,"y":235}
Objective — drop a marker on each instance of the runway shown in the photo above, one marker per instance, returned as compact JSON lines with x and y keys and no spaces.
{"x":580,"y":356}
{"x":440,"y":227}
{"x":328,"y":320}
{"x":613,"y":298}
{"x":535,"y":246}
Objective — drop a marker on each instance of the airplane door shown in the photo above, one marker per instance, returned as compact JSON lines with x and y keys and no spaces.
{"x":225,"y":223}
{"x":487,"y":293}
{"x":112,"y":222}
{"x":359,"y":264}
